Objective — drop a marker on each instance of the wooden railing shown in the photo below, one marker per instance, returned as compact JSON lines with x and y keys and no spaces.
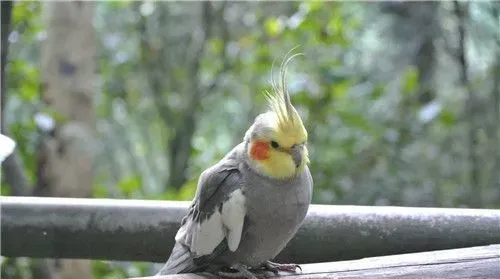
{"x":140,"y":230}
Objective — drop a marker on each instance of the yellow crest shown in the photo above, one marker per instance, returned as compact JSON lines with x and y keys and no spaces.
{"x":288,"y":120}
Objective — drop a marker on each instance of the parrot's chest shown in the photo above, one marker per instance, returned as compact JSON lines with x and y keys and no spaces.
{"x":274,"y":214}
{"x":283,"y":207}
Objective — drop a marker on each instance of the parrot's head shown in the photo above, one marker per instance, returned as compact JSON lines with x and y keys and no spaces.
{"x":276,"y":141}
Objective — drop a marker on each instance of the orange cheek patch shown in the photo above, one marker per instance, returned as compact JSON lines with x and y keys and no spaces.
{"x":259,"y":150}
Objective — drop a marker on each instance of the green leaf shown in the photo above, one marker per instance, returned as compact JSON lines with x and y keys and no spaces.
{"x":273,"y":26}
{"x":129,"y":185}
{"x":334,"y":26}
{"x":215,"y":46}
{"x":340,"y":89}
{"x":20,"y":12}
{"x":27,"y":92}
{"x":410,"y":80}
{"x":377,"y":91}
{"x":447,"y":118}
{"x":313,"y":6}
{"x":100,"y":191}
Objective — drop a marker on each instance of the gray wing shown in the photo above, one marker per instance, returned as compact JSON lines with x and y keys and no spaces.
{"x":214,"y":222}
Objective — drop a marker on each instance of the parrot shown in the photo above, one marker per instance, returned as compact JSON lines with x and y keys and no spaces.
{"x":251,"y":203}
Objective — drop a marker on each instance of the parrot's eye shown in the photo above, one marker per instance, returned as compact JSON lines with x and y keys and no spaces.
{"x":274,"y":144}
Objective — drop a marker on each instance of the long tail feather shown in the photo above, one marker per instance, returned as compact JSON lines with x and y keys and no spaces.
{"x":180,"y":261}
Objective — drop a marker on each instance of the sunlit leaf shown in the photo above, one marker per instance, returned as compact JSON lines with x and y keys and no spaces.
{"x":27,"y":92}
{"x":21,"y":11}
{"x":129,"y":185}
{"x":335,"y":24}
{"x":273,"y":26}
{"x":313,"y":6}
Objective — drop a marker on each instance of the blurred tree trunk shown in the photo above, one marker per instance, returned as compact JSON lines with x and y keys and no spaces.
{"x":181,"y":143}
{"x":495,"y":123}
{"x":159,"y":63}
{"x":475,"y":188}
{"x":425,"y":18}
{"x":65,"y":154}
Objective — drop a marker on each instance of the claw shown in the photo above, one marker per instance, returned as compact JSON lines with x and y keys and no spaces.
{"x":276,"y":267}
{"x":243,"y":272}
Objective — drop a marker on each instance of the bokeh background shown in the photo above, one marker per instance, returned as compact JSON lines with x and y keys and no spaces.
{"x":401,"y":100}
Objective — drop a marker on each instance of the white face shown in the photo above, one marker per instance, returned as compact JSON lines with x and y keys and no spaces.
{"x":262,"y":127}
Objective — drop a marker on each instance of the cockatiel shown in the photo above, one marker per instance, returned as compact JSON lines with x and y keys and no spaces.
{"x":251,"y":203}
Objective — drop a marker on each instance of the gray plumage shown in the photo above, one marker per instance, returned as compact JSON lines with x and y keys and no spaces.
{"x":273,"y":210}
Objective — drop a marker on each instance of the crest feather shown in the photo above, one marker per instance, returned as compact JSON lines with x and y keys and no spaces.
{"x":279,"y":98}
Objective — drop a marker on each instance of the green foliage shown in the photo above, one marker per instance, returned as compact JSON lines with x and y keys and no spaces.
{"x":186,"y":192}
{"x":130,"y":186}
{"x":273,"y":26}
{"x":27,"y":76}
{"x":24,"y":82}
{"x":26,"y":18}
{"x":447,"y":118}
{"x":16,"y":268}
{"x":410,"y":80}
{"x":117,"y":270}
{"x":100,"y":191}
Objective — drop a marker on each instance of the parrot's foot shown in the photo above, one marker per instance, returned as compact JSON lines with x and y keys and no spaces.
{"x":243,"y":272}
{"x":276,"y":267}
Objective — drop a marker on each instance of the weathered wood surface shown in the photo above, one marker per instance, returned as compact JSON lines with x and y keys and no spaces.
{"x":139,"y":230}
{"x":482,"y":262}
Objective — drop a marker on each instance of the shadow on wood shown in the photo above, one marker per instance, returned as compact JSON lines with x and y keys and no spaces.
{"x":476,"y":262}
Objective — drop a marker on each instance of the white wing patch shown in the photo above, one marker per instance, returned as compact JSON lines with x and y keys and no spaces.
{"x":233,"y":216}
{"x":7,"y":146}
{"x":206,"y":236}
